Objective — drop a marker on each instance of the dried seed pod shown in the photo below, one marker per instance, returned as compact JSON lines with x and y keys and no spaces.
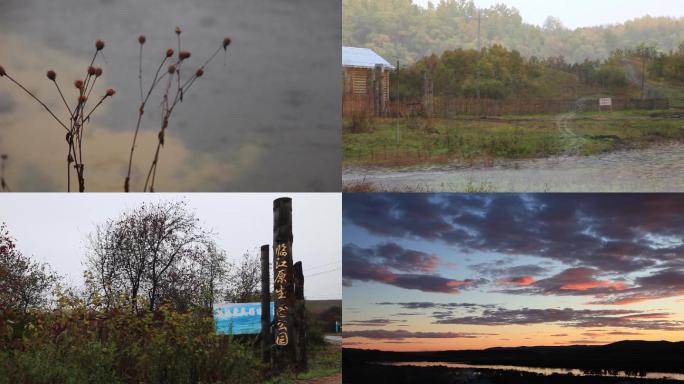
{"x":226,"y":42}
{"x":91,"y":70}
{"x":172,"y":69}
{"x":141,"y":39}
{"x":2,"y":71}
{"x":178,"y":30}
{"x":169,"y":52}
{"x":199,"y":72}
{"x":98,"y":72}
{"x":99,"y":45}
{"x":52,"y":75}
{"x":111,"y":92}
{"x":78,"y":84}
{"x":82,"y":99}
{"x":184,"y":55}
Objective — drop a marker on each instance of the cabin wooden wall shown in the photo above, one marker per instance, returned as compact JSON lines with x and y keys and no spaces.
{"x":356,"y":90}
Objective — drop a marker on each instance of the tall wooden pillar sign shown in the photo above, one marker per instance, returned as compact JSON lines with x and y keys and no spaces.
{"x":266,"y":339}
{"x":300,"y":329}
{"x":283,"y":285}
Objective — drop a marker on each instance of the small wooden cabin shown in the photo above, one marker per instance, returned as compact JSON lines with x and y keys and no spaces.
{"x":365,"y":81}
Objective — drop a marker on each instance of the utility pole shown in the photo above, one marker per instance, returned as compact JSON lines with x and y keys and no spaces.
{"x":479,"y":54}
{"x":643,"y":75}
{"x":398,"y":104}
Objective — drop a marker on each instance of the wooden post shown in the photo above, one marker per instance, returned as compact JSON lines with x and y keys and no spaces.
{"x":300,"y":317}
{"x":379,"y":89}
{"x":266,"y":339}
{"x":283,"y":285}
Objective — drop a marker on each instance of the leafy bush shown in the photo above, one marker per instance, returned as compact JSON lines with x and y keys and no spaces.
{"x":79,"y":344}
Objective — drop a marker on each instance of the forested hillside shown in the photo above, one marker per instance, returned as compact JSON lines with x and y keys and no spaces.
{"x":506,"y":74}
{"x":399,"y":29}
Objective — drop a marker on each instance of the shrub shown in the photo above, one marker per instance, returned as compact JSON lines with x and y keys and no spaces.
{"x":77,"y":344}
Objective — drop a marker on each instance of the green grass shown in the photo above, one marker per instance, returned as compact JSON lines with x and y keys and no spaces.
{"x":423,"y":141}
{"x":324,"y":361}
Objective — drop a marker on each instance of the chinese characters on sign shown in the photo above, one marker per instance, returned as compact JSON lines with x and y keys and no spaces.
{"x":280,"y":289}
{"x":239,"y":318}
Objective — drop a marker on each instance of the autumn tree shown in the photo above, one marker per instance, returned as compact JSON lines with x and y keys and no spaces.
{"x":244,"y":279}
{"x":24,"y":283}
{"x":158,"y":253}
{"x":403,"y":30}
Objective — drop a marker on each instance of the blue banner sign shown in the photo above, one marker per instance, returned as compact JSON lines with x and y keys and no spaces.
{"x":238,"y":319}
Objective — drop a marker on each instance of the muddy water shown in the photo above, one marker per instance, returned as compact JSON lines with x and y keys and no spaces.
{"x":542,"y":371}
{"x":656,"y":169}
{"x":264,"y":118}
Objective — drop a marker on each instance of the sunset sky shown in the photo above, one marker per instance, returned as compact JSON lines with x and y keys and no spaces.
{"x":446,"y":272}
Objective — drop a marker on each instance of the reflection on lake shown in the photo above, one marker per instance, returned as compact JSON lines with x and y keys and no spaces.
{"x":541,"y":371}
{"x":263,"y":118}
{"x":656,"y":169}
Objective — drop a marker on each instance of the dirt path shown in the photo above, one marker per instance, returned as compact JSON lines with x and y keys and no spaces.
{"x":335,"y":379}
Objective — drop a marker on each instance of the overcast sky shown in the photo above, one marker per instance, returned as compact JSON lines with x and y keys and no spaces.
{"x":585,"y":13}
{"x":53,"y":228}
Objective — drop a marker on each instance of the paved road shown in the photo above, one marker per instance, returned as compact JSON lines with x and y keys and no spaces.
{"x":337,"y":340}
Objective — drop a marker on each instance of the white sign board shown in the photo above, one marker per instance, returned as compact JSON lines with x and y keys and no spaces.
{"x":606,"y":102}
{"x":238,"y":319}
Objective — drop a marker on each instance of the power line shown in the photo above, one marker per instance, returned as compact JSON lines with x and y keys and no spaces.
{"x":323,"y":265}
{"x":323,"y":272}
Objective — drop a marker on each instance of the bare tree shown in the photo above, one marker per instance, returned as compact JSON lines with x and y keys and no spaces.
{"x":157,"y":252}
{"x":211,"y":273}
{"x":244,"y":279}
{"x":24,"y":283}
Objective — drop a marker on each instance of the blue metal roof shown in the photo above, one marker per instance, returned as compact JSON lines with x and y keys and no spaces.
{"x":362,"y":58}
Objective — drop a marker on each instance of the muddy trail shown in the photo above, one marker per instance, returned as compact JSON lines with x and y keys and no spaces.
{"x":335,"y":379}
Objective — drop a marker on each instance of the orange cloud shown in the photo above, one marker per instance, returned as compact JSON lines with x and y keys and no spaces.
{"x":522,"y":281}
{"x":593,"y":284}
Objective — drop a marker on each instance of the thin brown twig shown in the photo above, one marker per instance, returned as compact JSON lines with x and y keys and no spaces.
{"x":140,"y":72}
{"x":38,"y":100}
{"x":151,"y":175}
{"x":141,"y":111}
{"x":62,"y":96}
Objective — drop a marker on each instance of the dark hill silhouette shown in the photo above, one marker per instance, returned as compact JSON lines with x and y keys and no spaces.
{"x":630,"y":356}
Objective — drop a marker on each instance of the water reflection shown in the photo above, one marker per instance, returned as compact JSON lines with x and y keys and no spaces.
{"x":268,"y":120}
{"x":656,"y":169}
{"x":544,"y":371}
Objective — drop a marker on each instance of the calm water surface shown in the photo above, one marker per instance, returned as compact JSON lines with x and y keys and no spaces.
{"x":267,"y":120}
{"x":542,"y":371}
{"x":656,"y":169}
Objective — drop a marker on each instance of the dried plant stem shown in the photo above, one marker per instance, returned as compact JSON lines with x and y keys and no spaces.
{"x":38,"y":100}
{"x":63,"y":99}
{"x":69,"y":172}
{"x":3,"y":183}
{"x":77,"y":116}
{"x":141,"y":111}
{"x":140,"y":72}
{"x":167,"y":110}
{"x":102,"y":99}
